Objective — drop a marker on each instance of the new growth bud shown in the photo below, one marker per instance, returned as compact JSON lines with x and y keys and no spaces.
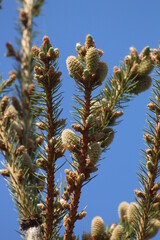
{"x":10,"y":113}
{"x":11,"y":51}
{"x":4,"y":172}
{"x":56,"y":52}
{"x":133,"y":53}
{"x":4,"y":102}
{"x":86,"y":236}
{"x":12,"y":78}
{"x":81,"y":215}
{"x":78,"y":47}
{"x":145,"y":52}
{"x":24,"y":17}
{"x":39,"y":140}
{"x":46,"y":41}
{"x":89,"y":41}
{"x":35,"y":51}
{"x":41,"y":125}
{"x":109,"y":137}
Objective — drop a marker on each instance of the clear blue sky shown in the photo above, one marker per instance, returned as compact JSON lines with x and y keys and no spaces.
{"x":115,"y":26}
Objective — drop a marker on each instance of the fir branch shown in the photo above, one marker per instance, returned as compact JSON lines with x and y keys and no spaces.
{"x":96,"y":114}
{"x":18,"y":119}
{"x":48,"y":79}
{"x":69,"y":223}
{"x":148,"y":197}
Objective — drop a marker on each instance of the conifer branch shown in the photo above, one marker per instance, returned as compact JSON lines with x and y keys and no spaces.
{"x":148,"y":198}
{"x":81,"y":170}
{"x":48,"y":79}
{"x":17,"y":132}
{"x":97,"y":114}
{"x":32,"y":135}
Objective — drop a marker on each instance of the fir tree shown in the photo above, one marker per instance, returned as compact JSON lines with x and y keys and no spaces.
{"x":33,"y":135}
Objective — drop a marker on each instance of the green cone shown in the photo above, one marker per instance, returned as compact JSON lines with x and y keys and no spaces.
{"x":94,"y":152}
{"x":69,"y":139}
{"x":153,"y":229}
{"x":145,"y":67}
{"x":109,"y":137}
{"x":97,"y":227}
{"x":122,"y":210}
{"x":117,"y":233}
{"x":92,"y":59}
{"x":102,"y":71}
{"x":143,"y":84}
{"x":132,"y":212}
{"x":74,"y":67}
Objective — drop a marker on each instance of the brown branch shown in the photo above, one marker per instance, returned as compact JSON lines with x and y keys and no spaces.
{"x":69,"y":223}
{"x":50,"y":169}
{"x":151,"y":187}
{"x":16,"y":175}
{"x":48,"y":79}
{"x":29,"y":214}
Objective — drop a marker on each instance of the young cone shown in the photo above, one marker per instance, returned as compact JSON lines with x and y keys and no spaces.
{"x":94,"y":152}
{"x":143,"y":84}
{"x":74,"y":67}
{"x":102,"y":71}
{"x":122,"y":210}
{"x":97,"y":227}
{"x":154,"y":228}
{"x":145,"y":67}
{"x":117,"y":233}
{"x":92,"y":59}
{"x":132,"y":212}
{"x":69,"y":139}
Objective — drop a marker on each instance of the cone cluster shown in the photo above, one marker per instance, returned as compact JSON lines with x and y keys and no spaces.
{"x":140,"y":66}
{"x":87,"y":66}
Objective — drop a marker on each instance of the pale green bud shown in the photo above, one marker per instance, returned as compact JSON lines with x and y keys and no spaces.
{"x":10,"y":113}
{"x":78,"y":47}
{"x":86,"y":73}
{"x":86,"y":236}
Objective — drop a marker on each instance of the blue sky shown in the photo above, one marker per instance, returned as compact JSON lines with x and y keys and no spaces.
{"x":115,"y":26}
